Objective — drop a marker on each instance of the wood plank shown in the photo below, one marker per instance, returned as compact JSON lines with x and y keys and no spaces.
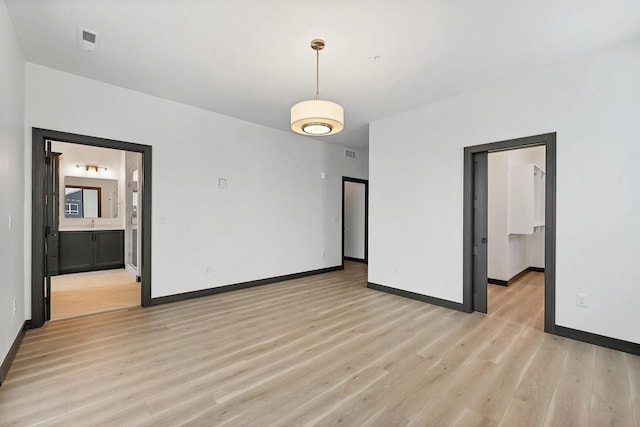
{"x":495,"y":394}
{"x":571,"y":402}
{"x":445,"y":408}
{"x":470,"y":418}
{"x":633,"y":368}
{"x":531,"y":398}
{"x":610,"y":403}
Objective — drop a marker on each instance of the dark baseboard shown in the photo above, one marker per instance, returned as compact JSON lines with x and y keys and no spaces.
{"x":362,"y":260}
{"x":243,"y":285}
{"x":8,"y":360}
{"x":424,"y":298}
{"x":516,"y":277}
{"x":601,"y":340}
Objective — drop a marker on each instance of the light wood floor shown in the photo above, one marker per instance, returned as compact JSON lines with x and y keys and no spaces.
{"x":93,"y":292}
{"x":323,"y":350}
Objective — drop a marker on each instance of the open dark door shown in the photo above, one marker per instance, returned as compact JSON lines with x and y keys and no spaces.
{"x":480,"y":212}
{"x":52,"y":220}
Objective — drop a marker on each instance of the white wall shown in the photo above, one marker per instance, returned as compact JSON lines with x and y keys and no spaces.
{"x":112,"y":160}
{"x":509,"y":254}
{"x":354,"y":224}
{"x":277,"y":215}
{"x":12,"y":190}
{"x":416,"y":194}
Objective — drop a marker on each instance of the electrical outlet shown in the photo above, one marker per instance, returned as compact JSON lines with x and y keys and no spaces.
{"x":324,"y":254}
{"x":15,"y":306}
{"x":395,"y":269}
{"x":207,"y":269}
{"x":581,"y":300}
{"x":163,"y":220}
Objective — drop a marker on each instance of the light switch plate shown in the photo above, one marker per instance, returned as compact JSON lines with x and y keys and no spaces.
{"x":581,"y":300}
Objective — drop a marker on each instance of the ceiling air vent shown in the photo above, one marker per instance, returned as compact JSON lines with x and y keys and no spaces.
{"x":87,"y":39}
{"x":350,"y":153}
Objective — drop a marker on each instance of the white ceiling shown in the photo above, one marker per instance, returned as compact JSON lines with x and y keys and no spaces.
{"x":252,"y":60}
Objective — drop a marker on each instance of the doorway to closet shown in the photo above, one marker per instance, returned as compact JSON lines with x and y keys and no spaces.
{"x":355,"y":220}
{"x":509,"y":229}
{"x":515,"y":244}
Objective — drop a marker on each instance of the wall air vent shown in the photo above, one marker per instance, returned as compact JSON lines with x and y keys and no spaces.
{"x":350,"y":153}
{"x":87,"y":39}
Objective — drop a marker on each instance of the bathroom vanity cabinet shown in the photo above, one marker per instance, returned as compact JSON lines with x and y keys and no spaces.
{"x":90,"y":250}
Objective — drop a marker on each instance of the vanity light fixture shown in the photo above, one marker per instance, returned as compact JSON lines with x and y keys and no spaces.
{"x":317,"y":117}
{"x":89,"y":167}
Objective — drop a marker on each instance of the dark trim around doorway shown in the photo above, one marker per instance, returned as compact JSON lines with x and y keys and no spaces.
{"x":364,"y":260}
{"x":549,"y":142}
{"x":39,"y":137}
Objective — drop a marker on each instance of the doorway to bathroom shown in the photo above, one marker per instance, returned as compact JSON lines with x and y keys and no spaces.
{"x":90,"y":225}
{"x":95,"y":269}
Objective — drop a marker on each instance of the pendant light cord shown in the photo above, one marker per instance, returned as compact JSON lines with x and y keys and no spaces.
{"x":317,"y":74}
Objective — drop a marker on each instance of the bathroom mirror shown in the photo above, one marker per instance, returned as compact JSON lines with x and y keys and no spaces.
{"x":90,"y":197}
{"x":82,"y":202}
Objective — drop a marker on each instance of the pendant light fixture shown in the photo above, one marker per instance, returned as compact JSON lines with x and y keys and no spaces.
{"x":317,"y":117}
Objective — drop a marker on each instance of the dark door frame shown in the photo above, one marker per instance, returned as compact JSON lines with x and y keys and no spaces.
{"x":480,"y":230}
{"x":39,"y":138}
{"x":549,"y":142}
{"x":366,"y":219}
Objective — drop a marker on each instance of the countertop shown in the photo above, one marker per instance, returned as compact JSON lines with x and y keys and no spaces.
{"x":89,"y":228}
